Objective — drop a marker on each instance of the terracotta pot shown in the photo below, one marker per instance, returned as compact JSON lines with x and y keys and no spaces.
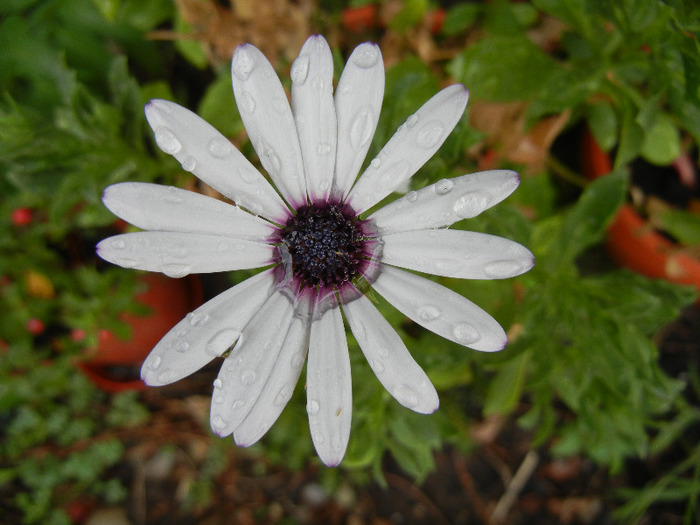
{"x":115,"y":364}
{"x":631,"y":241}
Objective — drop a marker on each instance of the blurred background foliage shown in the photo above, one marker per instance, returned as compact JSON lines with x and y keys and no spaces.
{"x":582,"y":376}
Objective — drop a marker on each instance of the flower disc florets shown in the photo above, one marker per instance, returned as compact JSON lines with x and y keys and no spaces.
{"x":325,"y":246}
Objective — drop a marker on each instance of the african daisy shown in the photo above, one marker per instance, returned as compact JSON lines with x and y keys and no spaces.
{"x":320,"y":256}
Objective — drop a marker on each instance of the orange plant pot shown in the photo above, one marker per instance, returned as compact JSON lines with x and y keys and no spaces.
{"x":631,"y":241}
{"x":114,"y":365}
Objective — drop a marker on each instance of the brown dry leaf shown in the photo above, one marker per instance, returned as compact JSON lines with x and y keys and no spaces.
{"x":578,"y":510}
{"x":504,"y":125}
{"x":277,"y":27}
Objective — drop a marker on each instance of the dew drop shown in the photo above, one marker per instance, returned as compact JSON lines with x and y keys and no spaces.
{"x":218,"y":400}
{"x":300,"y":69}
{"x":273,"y":163}
{"x":237,"y":404}
{"x":167,"y":141}
{"x":243,"y":63}
{"x":218,"y":422}
{"x":218,"y":383}
{"x":178,"y":251}
{"x":221,"y":341}
{"x":176,"y":270}
{"x":361,"y":128}
{"x":412,"y":196}
{"x":411,"y":121}
{"x":247,"y":175}
{"x":282,"y":397}
{"x":443,"y":187}
{"x":248,"y":377}
{"x":323,"y":149}
{"x":181,"y":346}
{"x":383,"y":351}
{"x":376,"y":162}
{"x":189,"y":163}
{"x":166,"y":377}
{"x":428,"y":313}
{"x":445,"y":266}
{"x":297,"y":360}
{"x":466,"y":333}
{"x":247,"y":103}
{"x":154,"y":363}
{"x":219,"y":147}
{"x":378,"y":366}
{"x":312,"y":407}
{"x":197,"y":318}
{"x":430,"y":135}
{"x":407,"y":396}
{"x":503,"y":269}
{"x":395,"y":174}
{"x":319,"y":437}
{"x":365,"y":56}
{"x":337,"y":443}
{"x":118,"y":244}
{"x":470,"y":204}
{"x":127,"y":262}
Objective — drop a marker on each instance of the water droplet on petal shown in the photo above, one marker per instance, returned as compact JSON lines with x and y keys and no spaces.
{"x":218,"y":383}
{"x":218,"y":400}
{"x":189,"y":163}
{"x":221,"y":341}
{"x":219,"y":147}
{"x":376,"y":162}
{"x":323,"y":149}
{"x":445,"y":266}
{"x":154,"y":363}
{"x":248,"y":377}
{"x":172,"y":196}
{"x":243,"y":63}
{"x":430,"y":135}
{"x":383,"y":351}
{"x":470,"y":204}
{"x":300,"y":69}
{"x":166,"y":377}
{"x":218,"y":422}
{"x":365,"y":56}
{"x":407,"y":396}
{"x":273,"y":161}
{"x":443,"y":187}
{"x":167,"y":141}
{"x":412,"y":196}
{"x":127,"y":262}
{"x":466,"y":333}
{"x":411,"y":121}
{"x":247,"y":175}
{"x":247,"y":103}
{"x":319,"y":437}
{"x":337,"y":443}
{"x":282,"y":397}
{"x":378,"y":366}
{"x":118,"y":244}
{"x":197,"y":318}
{"x":503,"y":269}
{"x":312,"y":407}
{"x":176,"y":270}
{"x":297,"y":360}
{"x":395,"y":174}
{"x":428,"y":313}
{"x":361,"y":128}
{"x":181,"y":346}
{"x":237,"y":404}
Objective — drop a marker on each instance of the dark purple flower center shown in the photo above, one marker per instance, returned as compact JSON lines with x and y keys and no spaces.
{"x":326,"y":243}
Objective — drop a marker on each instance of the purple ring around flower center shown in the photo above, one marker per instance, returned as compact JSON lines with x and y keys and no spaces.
{"x":326,"y":253}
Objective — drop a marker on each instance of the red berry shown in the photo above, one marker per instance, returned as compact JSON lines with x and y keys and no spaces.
{"x":22,"y":216}
{"x":77,"y":334}
{"x":35,"y":326}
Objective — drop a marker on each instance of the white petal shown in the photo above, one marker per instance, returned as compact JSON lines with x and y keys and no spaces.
{"x":279,"y":387}
{"x":166,"y":208}
{"x":446,"y":202}
{"x":245,"y":372}
{"x":456,"y":253}
{"x":329,"y":388}
{"x":205,"y":333}
{"x":179,"y":254}
{"x":412,"y":145}
{"x":358,"y":102}
{"x":268,"y":120}
{"x":389,"y":358}
{"x":440,"y":310}
{"x":212,"y":158}
{"x":314,"y":114}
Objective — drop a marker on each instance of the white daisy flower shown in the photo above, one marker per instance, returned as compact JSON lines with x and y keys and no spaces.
{"x":320,"y":256}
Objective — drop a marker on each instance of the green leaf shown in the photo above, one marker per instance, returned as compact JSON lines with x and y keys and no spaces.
{"x":586,"y":222}
{"x":683,"y":225}
{"x":503,"y":68}
{"x":411,"y":14}
{"x":602,"y":121}
{"x":506,"y":388}
{"x":218,"y":106}
{"x":459,"y":17}
{"x":662,"y":143}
